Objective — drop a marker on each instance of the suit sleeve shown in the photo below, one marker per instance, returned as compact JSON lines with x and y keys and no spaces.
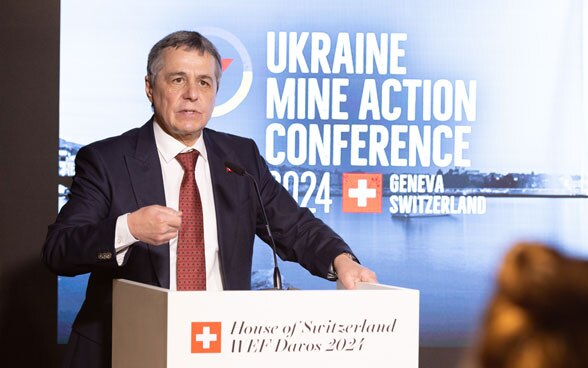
{"x":299,"y":235}
{"x":82,"y":238}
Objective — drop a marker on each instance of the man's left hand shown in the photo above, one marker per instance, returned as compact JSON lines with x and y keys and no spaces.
{"x":350,"y":272}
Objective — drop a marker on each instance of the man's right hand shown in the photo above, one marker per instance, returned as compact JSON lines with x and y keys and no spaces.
{"x":154,"y":224}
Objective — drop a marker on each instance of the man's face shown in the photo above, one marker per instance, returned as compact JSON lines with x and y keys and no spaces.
{"x":183,"y":93}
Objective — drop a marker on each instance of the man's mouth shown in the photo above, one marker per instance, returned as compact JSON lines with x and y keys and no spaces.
{"x":188,"y":111}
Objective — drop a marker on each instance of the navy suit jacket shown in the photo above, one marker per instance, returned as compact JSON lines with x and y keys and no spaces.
{"x":122,"y":174}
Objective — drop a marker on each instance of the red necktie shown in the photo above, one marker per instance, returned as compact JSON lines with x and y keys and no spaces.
{"x":191,"y":264}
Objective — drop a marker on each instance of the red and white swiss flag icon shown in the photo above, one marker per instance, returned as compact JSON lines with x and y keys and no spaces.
{"x":206,"y":337}
{"x":362,"y":193}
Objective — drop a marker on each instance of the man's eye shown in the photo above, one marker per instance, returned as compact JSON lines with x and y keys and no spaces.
{"x":204,"y":83}
{"x":177,"y":80}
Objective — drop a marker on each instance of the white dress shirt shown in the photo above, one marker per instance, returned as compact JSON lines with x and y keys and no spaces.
{"x":172,"y":172}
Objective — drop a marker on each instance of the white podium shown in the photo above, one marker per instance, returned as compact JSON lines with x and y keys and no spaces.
{"x":374,"y":326}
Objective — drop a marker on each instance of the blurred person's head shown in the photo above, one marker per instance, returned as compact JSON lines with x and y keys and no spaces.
{"x":538,"y":316}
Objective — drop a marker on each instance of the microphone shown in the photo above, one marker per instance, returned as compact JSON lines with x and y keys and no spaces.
{"x":234,"y":168}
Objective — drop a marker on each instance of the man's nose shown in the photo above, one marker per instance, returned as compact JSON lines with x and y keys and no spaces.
{"x":191,"y":91}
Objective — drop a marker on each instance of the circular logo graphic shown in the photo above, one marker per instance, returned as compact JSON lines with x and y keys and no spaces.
{"x":247,"y":74}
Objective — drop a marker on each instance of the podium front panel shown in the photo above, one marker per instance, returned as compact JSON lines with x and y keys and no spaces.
{"x":366,"y":328}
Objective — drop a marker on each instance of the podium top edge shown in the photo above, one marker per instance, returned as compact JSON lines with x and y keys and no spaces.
{"x":126,"y":282}
{"x":360,"y":287}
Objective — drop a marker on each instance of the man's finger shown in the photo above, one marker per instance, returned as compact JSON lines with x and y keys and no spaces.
{"x":174,"y":221}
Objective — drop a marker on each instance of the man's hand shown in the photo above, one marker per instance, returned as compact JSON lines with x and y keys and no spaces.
{"x":350,"y":272}
{"x":154,"y":224}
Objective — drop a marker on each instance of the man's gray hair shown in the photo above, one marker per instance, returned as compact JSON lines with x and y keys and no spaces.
{"x":187,"y":39}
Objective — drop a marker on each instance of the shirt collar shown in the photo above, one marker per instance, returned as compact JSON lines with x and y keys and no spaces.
{"x":169,"y":147}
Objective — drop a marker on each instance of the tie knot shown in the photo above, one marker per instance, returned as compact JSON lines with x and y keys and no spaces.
{"x":188,"y":160}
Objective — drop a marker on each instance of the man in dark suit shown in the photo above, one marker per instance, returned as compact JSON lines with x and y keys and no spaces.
{"x":124,"y":215}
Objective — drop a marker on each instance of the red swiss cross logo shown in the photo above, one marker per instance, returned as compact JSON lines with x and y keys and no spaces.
{"x":206,"y":337}
{"x":362,"y":193}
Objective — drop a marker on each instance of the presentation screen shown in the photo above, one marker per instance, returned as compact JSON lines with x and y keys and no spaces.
{"x":430,"y":135}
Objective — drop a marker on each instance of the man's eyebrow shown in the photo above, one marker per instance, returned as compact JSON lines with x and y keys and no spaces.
{"x":184,"y":74}
{"x":178,"y":73}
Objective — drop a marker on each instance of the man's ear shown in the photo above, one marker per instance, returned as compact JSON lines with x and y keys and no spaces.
{"x":148,"y":89}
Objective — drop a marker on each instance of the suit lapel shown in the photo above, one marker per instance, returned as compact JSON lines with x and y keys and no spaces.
{"x":226,"y":199}
{"x":147,"y":181}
